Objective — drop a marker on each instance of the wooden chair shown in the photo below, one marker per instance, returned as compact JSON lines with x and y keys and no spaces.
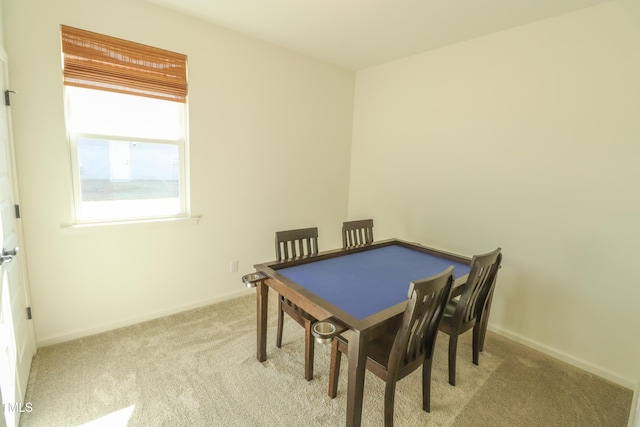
{"x":471,"y":310}
{"x":292,"y":244}
{"x":396,"y":353}
{"x":356,"y":233}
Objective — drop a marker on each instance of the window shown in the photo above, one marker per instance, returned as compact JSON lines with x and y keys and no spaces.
{"x":126,"y":120}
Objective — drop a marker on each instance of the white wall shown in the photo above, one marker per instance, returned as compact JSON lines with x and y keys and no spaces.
{"x":270,"y":138}
{"x":526,"y":139}
{"x":1,"y":24}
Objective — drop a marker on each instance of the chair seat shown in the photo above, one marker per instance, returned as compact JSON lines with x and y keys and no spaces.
{"x":378,"y":351}
{"x":295,"y":312}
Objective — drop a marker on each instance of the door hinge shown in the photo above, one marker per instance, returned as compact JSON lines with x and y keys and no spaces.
{"x":17,"y":211}
{"x":29,"y":317}
{"x":7,"y":97}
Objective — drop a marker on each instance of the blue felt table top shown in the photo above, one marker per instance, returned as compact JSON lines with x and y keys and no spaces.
{"x":365,"y":283}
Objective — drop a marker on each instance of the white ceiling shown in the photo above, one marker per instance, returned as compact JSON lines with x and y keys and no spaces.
{"x":358,"y":34}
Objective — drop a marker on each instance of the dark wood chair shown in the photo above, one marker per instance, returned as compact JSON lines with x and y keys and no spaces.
{"x":395,"y":353}
{"x":356,"y":233}
{"x":471,"y":309}
{"x":292,"y":244}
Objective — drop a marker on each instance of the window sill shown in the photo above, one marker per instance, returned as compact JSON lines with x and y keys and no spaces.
{"x":146,"y":223}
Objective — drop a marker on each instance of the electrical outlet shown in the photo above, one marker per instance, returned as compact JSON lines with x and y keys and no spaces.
{"x":234,"y":266}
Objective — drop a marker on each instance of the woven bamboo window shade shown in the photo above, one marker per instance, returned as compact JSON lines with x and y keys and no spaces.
{"x":96,"y":61}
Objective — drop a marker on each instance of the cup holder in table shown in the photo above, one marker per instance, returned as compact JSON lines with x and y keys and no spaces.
{"x":251,"y":280}
{"x":325,"y":330}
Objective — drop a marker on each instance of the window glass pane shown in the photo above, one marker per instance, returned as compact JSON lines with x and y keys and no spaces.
{"x":109,"y":113}
{"x":127,"y":179}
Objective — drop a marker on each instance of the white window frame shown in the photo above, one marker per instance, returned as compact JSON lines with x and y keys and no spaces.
{"x":183,"y":164}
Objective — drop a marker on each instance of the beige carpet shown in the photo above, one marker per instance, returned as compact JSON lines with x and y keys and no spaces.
{"x":199,"y":369}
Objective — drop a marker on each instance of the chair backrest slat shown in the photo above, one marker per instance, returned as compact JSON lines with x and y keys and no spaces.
{"x":296,"y":243}
{"x":356,"y":233}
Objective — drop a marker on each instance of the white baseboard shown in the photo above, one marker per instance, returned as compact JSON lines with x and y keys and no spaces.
{"x":57,"y":339}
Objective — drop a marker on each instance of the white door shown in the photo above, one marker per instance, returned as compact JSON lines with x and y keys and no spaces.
{"x":17,"y":338}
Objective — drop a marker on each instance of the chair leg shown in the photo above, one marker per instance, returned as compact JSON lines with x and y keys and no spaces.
{"x":483,"y":330}
{"x":309,"y":343}
{"x":389,"y":398}
{"x":485,"y":320}
{"x":453,"y":347}
{"x":477,"y":331}
{"x":334,"y":369}
{"x":426,"y":384}
{"x":280,"y":323}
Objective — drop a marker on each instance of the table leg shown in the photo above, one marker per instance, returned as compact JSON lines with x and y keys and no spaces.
{"x":262,"y":301}
{"x":357,"y":367}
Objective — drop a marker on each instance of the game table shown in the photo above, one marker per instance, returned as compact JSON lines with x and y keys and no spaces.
{"x":359,"y":288}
